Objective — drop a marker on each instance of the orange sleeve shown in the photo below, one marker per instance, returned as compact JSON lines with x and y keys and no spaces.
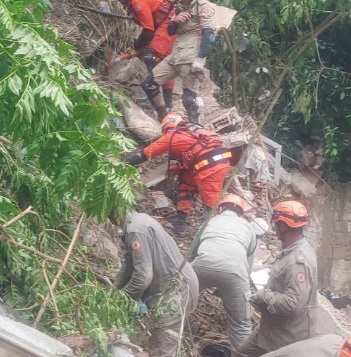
{"x":143,"y":14}
{"x":158,"y":147}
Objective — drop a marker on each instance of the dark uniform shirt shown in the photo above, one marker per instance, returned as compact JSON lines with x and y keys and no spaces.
{"x":290,"y":297}
{"x":152,"y":259}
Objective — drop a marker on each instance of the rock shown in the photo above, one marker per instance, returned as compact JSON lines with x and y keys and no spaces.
{"x":138,"y":122}
{"x":102,"y":245}
{"x":301,"y":185}
{"x":124,"y":71}
{"x":118,"y":351}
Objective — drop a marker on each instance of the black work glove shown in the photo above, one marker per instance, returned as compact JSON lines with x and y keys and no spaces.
{"x":135,"y":158}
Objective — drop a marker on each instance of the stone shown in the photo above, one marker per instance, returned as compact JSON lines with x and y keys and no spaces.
{"x":124,"y":71}
{"x":102,"y":245}
{"x":301,"y":185}
{"x":138,"y":122}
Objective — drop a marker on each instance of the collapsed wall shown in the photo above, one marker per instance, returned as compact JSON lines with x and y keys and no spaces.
{"x":330,"y":232}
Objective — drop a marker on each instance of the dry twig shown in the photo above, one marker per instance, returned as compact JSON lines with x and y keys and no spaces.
{"x":60,"y":271}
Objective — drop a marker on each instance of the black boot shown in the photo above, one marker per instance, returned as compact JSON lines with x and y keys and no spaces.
{"x":161,"y":113}
{"x":179,"y":223}
{"x":167,"y":96}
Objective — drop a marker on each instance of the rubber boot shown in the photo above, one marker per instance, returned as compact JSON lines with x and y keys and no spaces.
{"x":179,"y":223}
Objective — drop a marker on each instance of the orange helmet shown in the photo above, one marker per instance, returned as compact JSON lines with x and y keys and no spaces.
{"x":345,"y":348}
{"x":232,"y":199}
{"x":293,"y":213}
{"x":171,"y":121}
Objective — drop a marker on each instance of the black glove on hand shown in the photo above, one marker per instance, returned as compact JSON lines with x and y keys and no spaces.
{"x":135,"y":158}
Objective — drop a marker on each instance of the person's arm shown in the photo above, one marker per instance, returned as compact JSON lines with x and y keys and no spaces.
{"x":125,"y":273}
{"x":208,"y":37}
{"x":295,"y":296}
{"x":143,"y":16}
{"x":144,"y":39}
{"x":142,"y":275}
{"x":173,"y":25}
{"x":158,"y":147}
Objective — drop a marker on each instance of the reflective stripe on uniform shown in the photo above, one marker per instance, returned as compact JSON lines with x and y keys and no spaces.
{"x":202,"y":163}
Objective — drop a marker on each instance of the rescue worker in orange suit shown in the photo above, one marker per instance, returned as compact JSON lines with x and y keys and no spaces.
{"x":202,"y":161}
{"x":322,"y":346}
{"x":195,"y":29}
{"x":288,"y":304}
{"x":154,"y":41}
{"x":151,"y":273}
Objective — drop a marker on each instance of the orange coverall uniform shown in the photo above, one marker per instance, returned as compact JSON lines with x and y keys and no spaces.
{"x":207,"y":180}
{"x":147,"y":14}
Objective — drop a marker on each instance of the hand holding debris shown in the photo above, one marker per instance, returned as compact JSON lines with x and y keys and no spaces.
{"x":182,"y":17}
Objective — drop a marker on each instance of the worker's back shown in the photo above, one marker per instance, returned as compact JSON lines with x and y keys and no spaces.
{"x":165,"y":254}
{"x":226,"y":243}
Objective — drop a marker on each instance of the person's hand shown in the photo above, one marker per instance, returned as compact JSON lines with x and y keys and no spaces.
{"x":131,"y":51}
{"x":198,"y":66}
{"x":143,"y":310}
{"x":173,"y":170}
{"x":257,"y":300}
{"x":182,"y":17}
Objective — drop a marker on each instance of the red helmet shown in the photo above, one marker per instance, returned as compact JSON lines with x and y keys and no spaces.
{"x":234,"y":200}
{"x":345,"y":348}
{"x":293,"y":213}
{"x":171,"y":121}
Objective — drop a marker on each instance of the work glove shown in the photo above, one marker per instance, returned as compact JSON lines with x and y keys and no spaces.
{"x":135,"y":158}
{"x":197,"y":68}
{"x":143,"y":310}
{"x":131,"y":51}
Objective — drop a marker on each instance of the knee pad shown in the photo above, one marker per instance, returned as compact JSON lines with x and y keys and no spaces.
{"x":151,"y":88}
{"x":150,"y":59}
{"x":190,"y":104}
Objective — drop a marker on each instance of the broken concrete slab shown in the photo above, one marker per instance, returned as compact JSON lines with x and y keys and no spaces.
{"x":20,"y":340}
{"x":301,"y":185}
{"x":331,"y":320}
{"x":153,"y":177}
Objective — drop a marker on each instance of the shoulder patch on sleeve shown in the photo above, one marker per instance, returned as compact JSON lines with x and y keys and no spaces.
{"x":135,"y":245}
{"x":300,"y":259}
{"x":301,"y":277}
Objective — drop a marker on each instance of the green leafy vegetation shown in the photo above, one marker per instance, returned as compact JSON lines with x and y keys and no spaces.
{"x":303,"y":48}
{"x":54,"y":138}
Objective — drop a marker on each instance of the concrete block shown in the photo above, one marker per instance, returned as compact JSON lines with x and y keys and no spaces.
{"x":153,"y":177}
{"x":301,"y":185}
{"x":17,"y":339}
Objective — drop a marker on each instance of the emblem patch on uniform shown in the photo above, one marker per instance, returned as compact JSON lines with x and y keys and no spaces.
{"x":136,"y":245}
{"x":301,"y":277}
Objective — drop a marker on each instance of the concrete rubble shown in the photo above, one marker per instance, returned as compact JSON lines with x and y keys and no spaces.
{"x":20,"y":340}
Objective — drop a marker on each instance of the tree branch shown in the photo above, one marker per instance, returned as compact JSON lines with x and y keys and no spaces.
{"x":60,"y":271}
